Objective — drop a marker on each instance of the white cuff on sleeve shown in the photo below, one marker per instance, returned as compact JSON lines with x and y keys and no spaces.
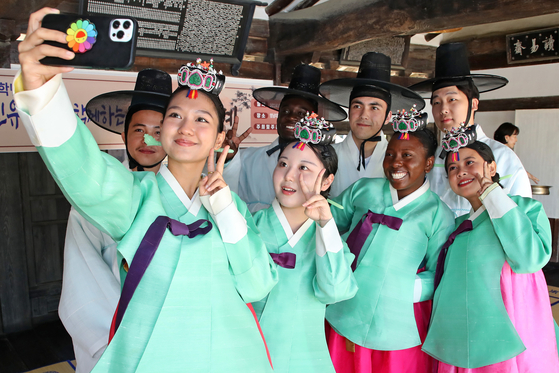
{"x":417,"y":288}
{"x":497,"y":203}
{"x":230,"y":222}
{"x":47,"y":113}
{"x":328,"y":238}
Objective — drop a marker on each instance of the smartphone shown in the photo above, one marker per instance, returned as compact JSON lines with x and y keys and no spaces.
{"x":98,"y":41}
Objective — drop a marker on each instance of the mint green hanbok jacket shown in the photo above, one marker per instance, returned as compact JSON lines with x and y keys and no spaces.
{"x":381,"y":315}
{"x":189,"y":312}
{"x":292,"y":316}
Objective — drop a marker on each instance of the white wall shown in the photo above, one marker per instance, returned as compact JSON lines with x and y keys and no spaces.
{"x":538,"y":150}
{"x":539,"y":129}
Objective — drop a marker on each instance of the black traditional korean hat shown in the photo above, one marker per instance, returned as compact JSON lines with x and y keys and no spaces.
{"x":109,"y":110}
{"x":304,"y":83}
{"x":151,"y":92}
{"x":452,"y":68}
{"x":373,"y":79}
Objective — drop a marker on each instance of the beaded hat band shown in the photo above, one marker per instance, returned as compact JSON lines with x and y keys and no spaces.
{"x":409,"y":121}
{"x":457,"y":138}
{"x":313,"y":130}
{"x":200,"y":76}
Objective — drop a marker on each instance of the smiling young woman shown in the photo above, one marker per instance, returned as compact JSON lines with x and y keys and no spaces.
{"x":492,"y":262}
{"x":191,"y":257}
{"x":314,"y":263}
{"x":392,"y":226}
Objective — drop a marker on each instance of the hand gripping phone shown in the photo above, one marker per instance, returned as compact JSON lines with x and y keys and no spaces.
{"x":98,"y":41}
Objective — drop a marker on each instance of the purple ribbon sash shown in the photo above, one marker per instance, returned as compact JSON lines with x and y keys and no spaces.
{"x":285,"y":260}
{"x":147,"y":250}
{"x":465,"y":226}
{"x":358,"y":236}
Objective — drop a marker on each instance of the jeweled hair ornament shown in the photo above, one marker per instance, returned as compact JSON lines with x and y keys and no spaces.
{"x":313,"y":130}
{"x":409,"y":121}
{"x":457,"y":138}
{"x":201,"y":75}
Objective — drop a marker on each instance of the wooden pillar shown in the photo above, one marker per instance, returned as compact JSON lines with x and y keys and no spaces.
{"x":15,"y":304}
{"x":7,"y":34}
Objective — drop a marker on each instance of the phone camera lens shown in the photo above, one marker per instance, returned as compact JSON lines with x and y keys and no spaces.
{"x":126,"y":25}
{"x":120,"y":34}
{"x":116,"y":24}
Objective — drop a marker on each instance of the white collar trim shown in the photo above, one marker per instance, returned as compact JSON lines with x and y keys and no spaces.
{"x":398,"y":204}
{"x":293,"y":239}
{"x":475,"y":215}
{"x":193,"y":206}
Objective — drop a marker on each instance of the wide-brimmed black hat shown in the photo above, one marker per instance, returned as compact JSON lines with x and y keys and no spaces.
{"x":452,"y":68}
{"x":151,"y":92}
{"x":374,"y":72}
{"x":304,"y":83}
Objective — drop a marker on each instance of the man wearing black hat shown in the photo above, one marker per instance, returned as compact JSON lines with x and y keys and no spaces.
{"x":454,"y":94}
{"x":91,"y":279}
{"x":371,"y":97}
{"x":249,"y":173}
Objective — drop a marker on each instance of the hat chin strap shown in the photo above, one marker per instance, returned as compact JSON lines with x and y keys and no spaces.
{"x":470,"y":103}
{"x":374,"y":138}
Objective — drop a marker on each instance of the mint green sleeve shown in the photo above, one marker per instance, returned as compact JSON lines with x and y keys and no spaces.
{"x":343,"y":217}
{"x":334,"y":280}
{"x":253,"y":270}
{"x":95,"y":183}
{"x":523,"y":230}
{"x":443,"y":226}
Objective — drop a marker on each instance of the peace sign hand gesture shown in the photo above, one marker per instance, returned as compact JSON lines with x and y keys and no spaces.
{"x":316,"y":206}
{"x":213,"y":182}
{"x":485,"y":180}
{"x":231,"y":138}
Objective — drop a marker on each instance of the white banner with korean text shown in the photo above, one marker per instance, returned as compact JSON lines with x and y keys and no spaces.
{"x":82,"y":85}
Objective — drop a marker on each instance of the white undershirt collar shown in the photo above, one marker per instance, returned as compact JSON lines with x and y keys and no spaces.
{"x":193,"y":206}
{"x":293,"y":238}
{"x":398,"y":204}
{"x":474,"y":215}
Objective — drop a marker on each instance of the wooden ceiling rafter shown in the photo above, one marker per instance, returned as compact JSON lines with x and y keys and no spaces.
{"x":266,"y":61}
{"x":340,"y":23}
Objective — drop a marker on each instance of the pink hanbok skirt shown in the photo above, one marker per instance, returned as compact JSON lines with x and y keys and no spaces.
{"x":365,"y":360}
{"x":526,"y":299}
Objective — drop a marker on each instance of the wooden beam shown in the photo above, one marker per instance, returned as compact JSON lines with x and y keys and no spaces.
{"x":421,"y":59}
{"x":305,"y":4}
{"x":249,"y":69}
{"x":524,"y":103}
{"x":277,"y":6}
{"x":259,"y":28}
{"x":340,"y":23}
{"x":256,"y":47}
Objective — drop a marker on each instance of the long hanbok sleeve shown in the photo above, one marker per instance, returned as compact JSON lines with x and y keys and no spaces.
{"x":90,"y":289}
{"x":95,"y":183}
{"x":252,"y":268}
{"x":522,"y":228}
{"x":334,"y":280}
{"x":344,"y":217}
{"x":443,"y":224}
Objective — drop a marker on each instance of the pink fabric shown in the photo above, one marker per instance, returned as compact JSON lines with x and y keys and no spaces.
{"x":527,"y":302}
{"x":364,"y":360}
